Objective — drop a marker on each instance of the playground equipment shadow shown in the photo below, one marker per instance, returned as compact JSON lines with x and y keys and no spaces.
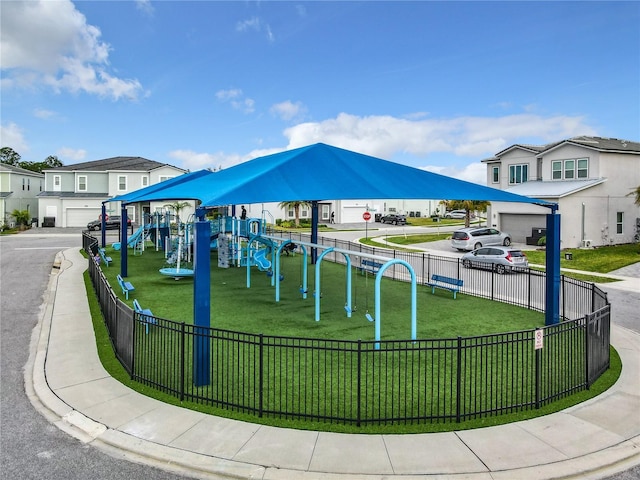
{"x":70,"y":387}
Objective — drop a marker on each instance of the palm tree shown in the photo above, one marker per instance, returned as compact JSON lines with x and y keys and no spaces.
{"x":636,"y":192}
{"x":296,"y":208}
{"x":177,"y":206}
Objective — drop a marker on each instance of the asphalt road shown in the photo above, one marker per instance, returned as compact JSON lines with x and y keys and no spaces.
{"x":33,"y":448}
{"x":30,"y":447}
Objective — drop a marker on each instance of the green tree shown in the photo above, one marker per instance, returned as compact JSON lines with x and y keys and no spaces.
{"x":22,"y":217}
{"x":296,"y":208}
{"x":636,"y":193}
{"x":468,"y":206}
{"x":178,"y":207}
{"x":9,"y":156}
{"x":50,"y":162}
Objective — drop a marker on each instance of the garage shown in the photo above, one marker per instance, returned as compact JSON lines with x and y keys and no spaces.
{"x":79,"y":217}
{"x":353,"y":213}
{"x":519,"y":226}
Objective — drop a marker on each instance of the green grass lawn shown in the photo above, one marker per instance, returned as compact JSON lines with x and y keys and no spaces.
{"x":254,"y":310}
{"x":600,"y":260}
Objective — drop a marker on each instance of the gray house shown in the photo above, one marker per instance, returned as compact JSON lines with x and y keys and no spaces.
{"x":73,"y":194}
{"x":591,"y":179}
{"x":19,"y":189}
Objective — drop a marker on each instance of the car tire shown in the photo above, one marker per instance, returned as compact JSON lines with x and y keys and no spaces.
{"x":507,"y":242}
{"x":500,"y":269}
{"x":466,"y":263}
{"x":477,"y":246}
{"x":460,"y":249}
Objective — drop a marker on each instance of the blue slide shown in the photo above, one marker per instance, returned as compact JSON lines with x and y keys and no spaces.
{"x":132,"y":240}
{"x":261,"y":260}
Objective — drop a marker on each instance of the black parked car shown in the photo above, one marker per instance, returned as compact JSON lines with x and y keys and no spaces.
{"x":111,"y":223}
{"x":395,"y":219}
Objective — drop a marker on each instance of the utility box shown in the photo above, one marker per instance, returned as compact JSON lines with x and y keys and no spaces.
{"x":49,"y":222}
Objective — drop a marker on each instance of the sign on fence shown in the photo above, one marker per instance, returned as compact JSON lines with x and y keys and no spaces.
{"x":539,"y":339}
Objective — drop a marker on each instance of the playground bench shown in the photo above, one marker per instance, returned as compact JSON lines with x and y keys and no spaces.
{"x":445,"y":283}
{"x":145,"y":315}
{"x":370,"y":266}
{"x":126,"y":286}
{"x":103,"y":255}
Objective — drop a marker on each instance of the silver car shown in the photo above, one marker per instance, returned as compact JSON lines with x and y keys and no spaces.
{"x":500,"y":259}
{"x":472,"y":238}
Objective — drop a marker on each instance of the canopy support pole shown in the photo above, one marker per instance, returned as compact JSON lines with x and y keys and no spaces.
{"x":552,"y":293}
{"x":202,"y":298}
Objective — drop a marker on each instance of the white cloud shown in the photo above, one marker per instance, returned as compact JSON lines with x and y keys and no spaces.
{"x":288,"y":110}
{"x":257,"y":25}
{"x":473,"y":172}
{"x":473,"y":137}
{"x":236,"y":99}
{"x":145,"y":6}
{"x":13,"y":137}
{"x":72,"y":153}
{"x":43,"y":114}
{"x":50,"y":43}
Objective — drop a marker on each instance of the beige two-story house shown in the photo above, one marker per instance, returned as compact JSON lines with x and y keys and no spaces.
{"x":73,"y":194}
{"x":590,"y":178}
{"x":19,"y":189}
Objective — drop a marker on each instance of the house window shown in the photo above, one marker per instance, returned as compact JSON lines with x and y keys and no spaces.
{"x":496,"y":174}
{"x":518,"y":173}
{"x":291,"y":213}
{"x":583,"y":168}
{"x":145,"y":181}
{"x":619,"y":222}
{"x":82,"y":183}
{"x":570,"y":169}
{"x":162,"y":178}
{"x":326,"y":212}
{"x":23,"y":184}
{"x":122,"y":183}
{"x":28,"y":184}
{"x":304,"y":213}
{"x":57,"y":183}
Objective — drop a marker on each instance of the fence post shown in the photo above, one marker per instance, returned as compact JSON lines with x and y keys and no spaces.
{"x":261,"y":374}
{"x":529,"y":289}
{"x":587,"y":353}
{"x":459,"y":379}
{"x":182,"y":359}
{"x":538,"y":354}
{"x":359,"y":386}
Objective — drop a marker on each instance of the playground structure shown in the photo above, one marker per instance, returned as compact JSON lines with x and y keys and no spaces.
{"x":244,"y":243}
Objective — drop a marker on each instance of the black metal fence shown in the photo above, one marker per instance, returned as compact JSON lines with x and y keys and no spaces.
{"x":355,"y":382}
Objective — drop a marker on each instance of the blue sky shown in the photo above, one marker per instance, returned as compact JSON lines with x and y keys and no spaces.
{"x":198,"y":84}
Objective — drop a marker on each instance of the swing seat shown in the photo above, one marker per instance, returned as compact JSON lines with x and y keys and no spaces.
{"x":302,"y":290}
{"x":369,"y":317}
{"x":347,"y":309}
{"x":269,"y":273}
{"x":281,"y":277}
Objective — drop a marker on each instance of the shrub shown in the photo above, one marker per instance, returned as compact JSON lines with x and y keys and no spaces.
{"x":542,"y":241}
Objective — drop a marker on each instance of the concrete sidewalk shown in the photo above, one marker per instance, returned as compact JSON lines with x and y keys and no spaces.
{"x":67,"y":383}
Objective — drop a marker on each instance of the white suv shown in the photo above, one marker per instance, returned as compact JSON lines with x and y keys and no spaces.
{"x":475,"y":237}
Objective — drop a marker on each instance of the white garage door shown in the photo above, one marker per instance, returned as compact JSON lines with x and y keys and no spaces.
{"x":353,"y":214}
{"x":519,"y":226}
{"x":79,"y":217}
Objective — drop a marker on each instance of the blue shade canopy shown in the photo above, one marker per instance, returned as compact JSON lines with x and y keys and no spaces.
{"x":175,"y":181}
{"x":324,"y":172}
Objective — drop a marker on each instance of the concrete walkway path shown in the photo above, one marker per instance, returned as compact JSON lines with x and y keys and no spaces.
{"x":67,"y":383}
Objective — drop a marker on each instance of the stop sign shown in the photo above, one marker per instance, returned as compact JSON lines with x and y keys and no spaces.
{"x":366,"y":216}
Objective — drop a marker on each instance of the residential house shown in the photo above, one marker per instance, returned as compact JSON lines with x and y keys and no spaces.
{"x":19,"y":189}
{"x":73,"y":194}
{"x":590,"y":178}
